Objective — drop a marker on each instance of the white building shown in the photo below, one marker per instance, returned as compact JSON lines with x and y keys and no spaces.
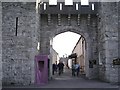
{"x":79,"y":49}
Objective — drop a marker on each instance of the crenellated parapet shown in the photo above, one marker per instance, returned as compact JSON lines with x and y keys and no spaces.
{"x":62,"y":8}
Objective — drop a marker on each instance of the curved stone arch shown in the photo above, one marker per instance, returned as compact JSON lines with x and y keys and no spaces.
{"x":74,"y":29}
{"x":77,"y":30}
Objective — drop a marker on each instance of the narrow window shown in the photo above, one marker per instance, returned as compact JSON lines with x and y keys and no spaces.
{"x":76,"y":6}
{"x":45,"y":6}
{"x":93,"y":6}
{"x":100,"y":60}
{"x":60,"y":6}
{"x":38,"y":46}
{"x":16,"y":26}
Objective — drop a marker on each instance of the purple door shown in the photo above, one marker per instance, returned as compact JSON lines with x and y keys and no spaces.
{"x":41,"y":72}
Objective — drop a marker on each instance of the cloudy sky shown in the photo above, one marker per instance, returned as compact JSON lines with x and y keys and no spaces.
{"x":65,"y":42}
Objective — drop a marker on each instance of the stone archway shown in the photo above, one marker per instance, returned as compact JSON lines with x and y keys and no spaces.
{"x":53,"y":31}
{"x":83,"y":34}
{"x":100,"y":29}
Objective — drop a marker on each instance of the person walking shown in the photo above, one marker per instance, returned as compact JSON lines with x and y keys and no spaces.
{"x":73,"y":69}
{"x":77,"y":68}
{"x":54,"y":66}
{"x":60,"y":67}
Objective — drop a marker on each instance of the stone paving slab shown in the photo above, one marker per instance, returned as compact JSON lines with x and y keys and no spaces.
{"x":66,"y":81}
{"x":59,"y":89}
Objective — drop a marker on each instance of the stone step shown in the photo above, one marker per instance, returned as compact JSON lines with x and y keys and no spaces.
{"x":60,"y":88}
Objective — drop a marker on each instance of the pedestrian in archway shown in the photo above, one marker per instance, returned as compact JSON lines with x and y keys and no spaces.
{"x":73,"y":69}
{"x":60,"y":67}
{"x":54,"y":66}
{"x":77,"y":68}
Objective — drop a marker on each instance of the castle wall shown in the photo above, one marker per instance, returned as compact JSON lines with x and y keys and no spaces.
{"x":119,"y":38}
{"x":0,"y":45}
{"x":108,"y":41}
{"x":23,"y":26}
{"x":19,"y":36}
{"x":54,"y":24}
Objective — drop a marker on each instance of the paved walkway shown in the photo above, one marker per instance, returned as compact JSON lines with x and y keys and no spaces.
{"x":66,"y":80}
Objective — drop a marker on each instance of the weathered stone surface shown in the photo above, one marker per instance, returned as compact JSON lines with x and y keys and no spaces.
{"x":88,"y":32}
{"x":101,"y":33}
{"x":18,"y":1}
{"x":119,"y":38}
{"x":0,"y":45}
{"x":19,"y":51}
{"x":108,"y":40}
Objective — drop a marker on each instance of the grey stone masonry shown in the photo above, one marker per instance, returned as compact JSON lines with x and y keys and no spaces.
{"x":0,"y":45}
{"x":68,"y":9}
{"x":50,"y":27}
{"x":108,"y":41}
{"x":23,"y":25}
{"x":19,"y":36}
{"x":18,"y":0}
{"x":119,"y":37}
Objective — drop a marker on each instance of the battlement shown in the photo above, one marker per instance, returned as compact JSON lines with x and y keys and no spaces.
{"x":61,"y":8}
{"x":72,"y":0}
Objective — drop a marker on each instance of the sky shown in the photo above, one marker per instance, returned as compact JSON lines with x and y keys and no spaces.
{"x":65,"y":42}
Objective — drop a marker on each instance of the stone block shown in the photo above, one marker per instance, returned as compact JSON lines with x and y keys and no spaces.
{"x":0,"y":45}
{"x":18,"y":48}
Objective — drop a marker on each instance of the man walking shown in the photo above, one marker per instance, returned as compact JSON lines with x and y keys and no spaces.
{"x":60,"y":67}
{"x":77,"y":68}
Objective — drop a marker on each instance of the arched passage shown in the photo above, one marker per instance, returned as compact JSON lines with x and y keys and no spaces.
{"x":67,"y":45}
{"x":83,"y":34}
{"x":90,"y":71}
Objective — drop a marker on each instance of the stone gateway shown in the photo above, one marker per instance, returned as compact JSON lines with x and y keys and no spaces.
{"x":25,"y":23}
